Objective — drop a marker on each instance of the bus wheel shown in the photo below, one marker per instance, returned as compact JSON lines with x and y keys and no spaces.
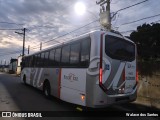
{"x":24,"y":79}
{"x":47,"y":89}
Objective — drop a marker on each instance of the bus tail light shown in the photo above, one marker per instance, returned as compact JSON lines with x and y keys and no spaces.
{"x":100,"y":75}
{"x":137,"y":76}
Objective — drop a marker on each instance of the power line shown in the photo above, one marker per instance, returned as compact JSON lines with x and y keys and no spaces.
{"x":132,"y":5}
{"x":135,"y":30}
{"x":10,"y":53}
{"x":91,"y":29}
{"x":140,"y":19}
{"x":45,"y":26}
{"x":128,"y":7}
{"x":10,"y":29}
{"x":66,"y":33}
{"x":11,"y":23}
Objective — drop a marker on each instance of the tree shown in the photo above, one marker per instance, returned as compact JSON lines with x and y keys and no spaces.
{"x":147,"y":38}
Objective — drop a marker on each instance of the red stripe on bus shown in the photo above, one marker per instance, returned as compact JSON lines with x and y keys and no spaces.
{"x":59,"y":82}
{"x":101,"y":66}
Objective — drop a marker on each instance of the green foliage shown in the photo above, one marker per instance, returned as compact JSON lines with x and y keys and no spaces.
{"x":147,"y":38}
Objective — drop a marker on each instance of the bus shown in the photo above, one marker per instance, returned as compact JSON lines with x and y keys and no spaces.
{"x":94,"y":70}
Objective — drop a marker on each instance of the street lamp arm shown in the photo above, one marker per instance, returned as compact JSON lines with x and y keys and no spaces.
{"x":19,"y":33}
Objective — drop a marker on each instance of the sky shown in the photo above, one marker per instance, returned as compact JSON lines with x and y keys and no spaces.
{"x":46,"y":20}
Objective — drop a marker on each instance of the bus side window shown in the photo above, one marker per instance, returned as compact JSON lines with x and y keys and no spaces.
{"x":74,"y":57}
{"x":42,"y":60}
{"x":65,"y":56}
{"x":46,"y":62}
{"x":33,"y":60}
{"x":37,"y":60}
{"x":85,"y":52}
{"x":57,"y":56}
{"x":23,"y":62}
{"x":51,"y":58}
{"x":35,"y":63}
{"x":28,"y":61}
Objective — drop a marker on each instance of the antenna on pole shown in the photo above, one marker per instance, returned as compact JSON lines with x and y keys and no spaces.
{"x":105,"y":18}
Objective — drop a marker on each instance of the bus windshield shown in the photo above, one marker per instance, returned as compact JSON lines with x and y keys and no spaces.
{"x":120,"y":49}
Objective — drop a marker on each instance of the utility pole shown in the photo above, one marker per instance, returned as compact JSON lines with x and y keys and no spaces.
{"x":24,"y":30}
{"x":28,"y":49}
{"x":105,"y":17}
{"x":41,"y":46}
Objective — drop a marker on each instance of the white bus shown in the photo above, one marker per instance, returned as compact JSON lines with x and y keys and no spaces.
{"x":96,"y":69}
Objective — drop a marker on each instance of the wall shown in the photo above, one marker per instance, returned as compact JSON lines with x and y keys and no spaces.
{"x":149,"y":84}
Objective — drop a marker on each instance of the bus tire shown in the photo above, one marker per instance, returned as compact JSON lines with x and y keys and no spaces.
{"x":47,"y":89}
{"x":24,"y":79}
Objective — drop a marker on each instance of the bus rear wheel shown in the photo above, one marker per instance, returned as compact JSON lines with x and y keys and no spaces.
{"x":47,"y":89}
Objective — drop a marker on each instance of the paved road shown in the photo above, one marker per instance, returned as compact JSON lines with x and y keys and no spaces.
{"x":15,"y":96}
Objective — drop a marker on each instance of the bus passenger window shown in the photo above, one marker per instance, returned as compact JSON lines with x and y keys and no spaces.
{"x":85,"y":52}
{"x":42,"y":60}
{"x":51,"y":58}
{"x":57,"y":56}
{"x":31,"y":63}
{"x":35,"y":64}
{"x":65,"y":55}
{"x":74,"y":57}
{"x":38,"y":60}
{"x":46,"y":59}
